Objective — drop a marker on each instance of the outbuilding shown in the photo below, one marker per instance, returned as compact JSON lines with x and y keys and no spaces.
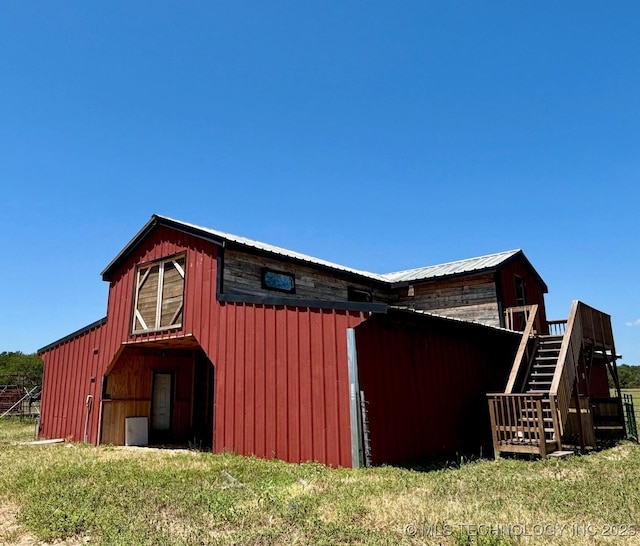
{"x":228,"y":343}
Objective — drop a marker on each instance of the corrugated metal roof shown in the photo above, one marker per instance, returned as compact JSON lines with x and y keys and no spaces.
{"x":480,"y":263}
{"x":410,"y":310}
{"x":244,"y":241}
{"x":489,"y":261}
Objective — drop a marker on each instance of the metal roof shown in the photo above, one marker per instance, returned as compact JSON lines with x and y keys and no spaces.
{"x":271,"y":249}
{"x":490,"y":261}
{"x":422,"y":312}
{"x":220,"y":237}
{"x":458,"y":267}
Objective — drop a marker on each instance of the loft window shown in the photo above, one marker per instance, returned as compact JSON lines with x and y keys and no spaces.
{"x":159,"y":295}
{"x":521,"y":291}
{"x":278,"y":280}
{"x":358,"y":294}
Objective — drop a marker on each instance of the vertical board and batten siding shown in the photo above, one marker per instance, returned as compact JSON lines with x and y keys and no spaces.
{"x":69,"y":363}
{"x":68,"y":370}
{"x":281,"y":374}
{"x":282,"y":387}
{"x":535,"y":291}
{"x":425,"y":383}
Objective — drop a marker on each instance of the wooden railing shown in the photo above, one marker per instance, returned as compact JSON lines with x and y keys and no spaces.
{"x":526,"y":350}
{"x":596,"y":327}
{"x":518,"y":423}
{"x":556,"y":327}
{"x":584,"y":325}
{"x":524,"y":311}
{"x":534,"y":423}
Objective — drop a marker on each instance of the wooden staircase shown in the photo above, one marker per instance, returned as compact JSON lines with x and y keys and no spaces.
{"x":542,"y":390}
{"x":544,"y":364}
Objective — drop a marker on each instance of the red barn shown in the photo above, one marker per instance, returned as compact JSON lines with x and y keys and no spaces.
{"x":241,"y":346}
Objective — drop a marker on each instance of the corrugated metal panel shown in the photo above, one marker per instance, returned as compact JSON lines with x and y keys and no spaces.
{"x":282,"y":387}
{"x":67,"y":382}
{"x":425,"y":381}
{"x":452,"y":268}
{"x":281,"y":382}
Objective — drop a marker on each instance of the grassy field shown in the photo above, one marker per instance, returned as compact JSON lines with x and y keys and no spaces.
{"x":79,"y":494}
{"x":14,"y":430}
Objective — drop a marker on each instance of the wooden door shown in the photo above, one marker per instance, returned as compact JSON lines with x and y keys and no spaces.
{"x":161,"y":402}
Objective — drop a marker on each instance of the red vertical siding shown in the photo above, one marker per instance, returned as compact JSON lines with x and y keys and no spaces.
{"x":535,"y":291}
{"x":282,"y":387}
{"x":67,"y":382}
{"x":281,"y":377}
{"x":425,"y":382}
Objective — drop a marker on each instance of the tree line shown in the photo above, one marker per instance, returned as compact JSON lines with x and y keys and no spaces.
{"x":629,"y":377}
{"x":19,"y":368}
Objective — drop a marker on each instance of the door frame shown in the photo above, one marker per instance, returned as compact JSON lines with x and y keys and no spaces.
{"x":164,"y":435}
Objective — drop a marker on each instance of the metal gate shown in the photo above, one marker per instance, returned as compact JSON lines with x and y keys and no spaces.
{"x":630,"y":417}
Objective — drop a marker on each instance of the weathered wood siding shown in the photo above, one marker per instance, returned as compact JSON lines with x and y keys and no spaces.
{"x":467,"y":298}
{"x":114,"y":413}
{"x":243,"y":275}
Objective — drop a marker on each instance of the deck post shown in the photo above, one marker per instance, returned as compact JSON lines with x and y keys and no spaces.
{"x":494,"y":425}
{"x":543,"y":436}
{"x":576,"y":395}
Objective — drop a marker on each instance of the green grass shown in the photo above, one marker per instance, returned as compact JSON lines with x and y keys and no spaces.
{"x":12,"y":429}
{"x":114,"y":496}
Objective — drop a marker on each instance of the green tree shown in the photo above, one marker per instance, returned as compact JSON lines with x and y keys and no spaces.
{"x":16,"y":366}
{"x":629,"y":377}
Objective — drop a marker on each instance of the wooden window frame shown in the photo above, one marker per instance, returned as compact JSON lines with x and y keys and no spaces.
{"x":136,"y":316}
{"x":361,"y":295}
{"x":265,"y":286}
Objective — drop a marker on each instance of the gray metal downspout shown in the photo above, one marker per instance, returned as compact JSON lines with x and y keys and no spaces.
{"x":354,"y":400}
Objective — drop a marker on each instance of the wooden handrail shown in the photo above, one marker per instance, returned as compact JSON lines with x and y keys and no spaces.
{"x":519,"y":360}
{"x":584,"y":325}
{"x":556,"y":327}
{"x":527,"y":310}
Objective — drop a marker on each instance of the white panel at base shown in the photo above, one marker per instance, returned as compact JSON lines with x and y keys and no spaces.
{"x":136,"y":431}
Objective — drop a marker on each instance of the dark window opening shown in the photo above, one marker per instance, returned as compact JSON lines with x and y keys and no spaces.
{"x":358,"y":294}
{"x":278,"y":280}
{"x":521,"y":291}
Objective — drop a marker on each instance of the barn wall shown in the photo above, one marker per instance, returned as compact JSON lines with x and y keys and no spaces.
{"x":469,"y":298}
{"x":200,"y":284}
{"x":69,"y":364}
{"x":425,"y":384}
{"x":68,"y":370}
{"x":129,"y":391}
{"x":243,"y":275}
{"x":281,"y":379}
{"x":282,"y":387}
{"x":507,"y":287}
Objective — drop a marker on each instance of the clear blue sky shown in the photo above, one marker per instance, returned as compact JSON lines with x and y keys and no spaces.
{"x":379,"y":135}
